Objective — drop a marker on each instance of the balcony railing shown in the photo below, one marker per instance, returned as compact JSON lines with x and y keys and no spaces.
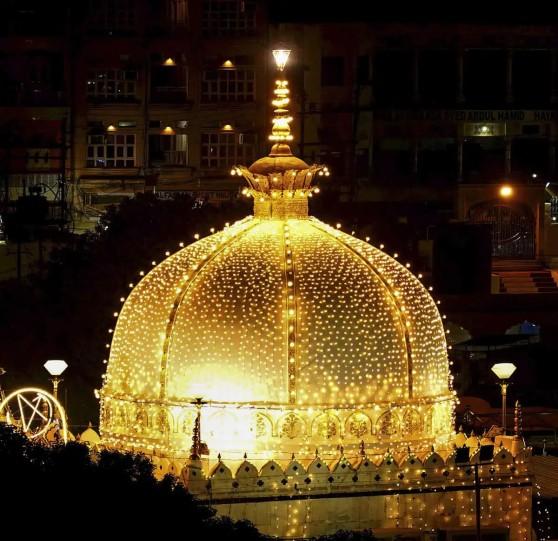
{"x":170,"y":157}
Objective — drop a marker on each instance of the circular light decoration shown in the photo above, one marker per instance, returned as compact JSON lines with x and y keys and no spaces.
{"x":34,"y":411}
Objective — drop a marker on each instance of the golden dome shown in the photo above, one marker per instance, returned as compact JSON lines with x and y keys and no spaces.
{"x":273,"y":317}
{"x":293,"y":334}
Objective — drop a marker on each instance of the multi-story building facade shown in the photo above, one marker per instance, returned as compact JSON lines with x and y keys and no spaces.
{"x":444,"y":114}
{"x":34,"y":106}
{"x":35,"y":114}
{"x":149,"y":96}
{"x":166,"y":96}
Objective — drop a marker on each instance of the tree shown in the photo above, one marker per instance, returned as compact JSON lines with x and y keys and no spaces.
{"x":112,"y":491}
{"x":346,"y":535}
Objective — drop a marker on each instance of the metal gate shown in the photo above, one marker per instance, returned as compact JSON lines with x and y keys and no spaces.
{"x":513,"y":228}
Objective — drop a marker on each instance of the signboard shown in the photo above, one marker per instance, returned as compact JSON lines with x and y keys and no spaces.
{"x":468,"y":115}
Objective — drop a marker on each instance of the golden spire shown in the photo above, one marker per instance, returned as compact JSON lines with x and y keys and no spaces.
{"x":281,"y":130}
{"x":280,"y":183}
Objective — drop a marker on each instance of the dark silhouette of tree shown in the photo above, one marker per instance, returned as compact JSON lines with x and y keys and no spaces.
{"x":346,"y":535}
{"x":113,"y":492}
{"x":117,"y":491}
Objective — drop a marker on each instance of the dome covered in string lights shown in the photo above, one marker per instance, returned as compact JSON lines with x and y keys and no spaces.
{"x":277,"y":335}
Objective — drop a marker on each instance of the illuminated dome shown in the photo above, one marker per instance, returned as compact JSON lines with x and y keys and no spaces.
{"x":293,"y":334}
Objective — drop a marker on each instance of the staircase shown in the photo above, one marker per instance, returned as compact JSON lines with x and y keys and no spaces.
{"x":524,"y":276}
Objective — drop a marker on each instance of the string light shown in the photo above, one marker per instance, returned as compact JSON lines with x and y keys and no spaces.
{"x":297,"y":337}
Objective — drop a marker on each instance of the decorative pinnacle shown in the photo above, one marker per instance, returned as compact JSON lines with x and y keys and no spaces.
{"x":280,"y":176}
{"x":289,"y":182}
{"x":281,"y":130}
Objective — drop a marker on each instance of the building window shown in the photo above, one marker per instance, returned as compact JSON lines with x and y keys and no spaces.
{"x":532,"y":78}
{"x":333,"y":71}
{"x":177,"y":12}
{"x":484,"y":159}
{"x":113,"y":15}
{"x":530,"y":155}
{"x":112,"y":85}
{"x":437,"y":76}
{"x":111,"y":151}
{"x":169,"y":83}
{"x":235,"y":85}
{"x":223,"y":150}
{"x":228,"y":16}
{"x":393,"y":77}
{"x":168,"y":149}
{"x":485,"y":76}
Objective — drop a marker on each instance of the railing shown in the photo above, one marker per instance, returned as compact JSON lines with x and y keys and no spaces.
{"x":176,"y":157}
{"x":171,"y":157}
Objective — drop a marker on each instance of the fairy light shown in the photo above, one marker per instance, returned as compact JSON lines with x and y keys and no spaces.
{"x":298,"y":337}
{"x":370,"y":349}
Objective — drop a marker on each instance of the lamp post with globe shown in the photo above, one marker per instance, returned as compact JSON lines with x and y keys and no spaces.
{"x":504,"y":372}
{"x":55,"y":368}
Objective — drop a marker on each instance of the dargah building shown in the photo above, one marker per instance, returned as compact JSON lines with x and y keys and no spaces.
{"x":297,"y":376}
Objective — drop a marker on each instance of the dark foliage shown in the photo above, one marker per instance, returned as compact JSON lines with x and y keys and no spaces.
{"x":111,"y":492}
{"x":106,"y":494}
{"x":345,"y":535}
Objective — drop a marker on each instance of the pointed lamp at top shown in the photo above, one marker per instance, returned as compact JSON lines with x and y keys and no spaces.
{"x":504,"y":370}
{"x":281,"y":56}
{"x":55,"y":367}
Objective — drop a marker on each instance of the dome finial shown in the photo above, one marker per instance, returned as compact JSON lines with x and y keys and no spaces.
{"x":280,"y":183}
{"x":281,"y":130}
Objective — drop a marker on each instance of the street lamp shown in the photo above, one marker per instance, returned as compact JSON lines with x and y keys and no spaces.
{"x":55,"y":368}
{"x":504,"y":372}
{"x":506,"y":191}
